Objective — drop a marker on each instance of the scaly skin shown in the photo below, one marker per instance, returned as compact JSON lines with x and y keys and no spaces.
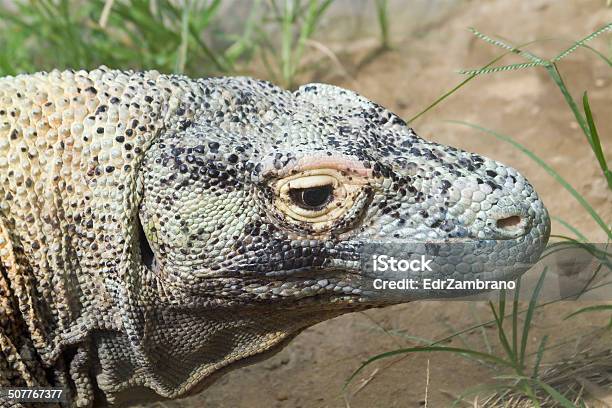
{"x":156,"y":231}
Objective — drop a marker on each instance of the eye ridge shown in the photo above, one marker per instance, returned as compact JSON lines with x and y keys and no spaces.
{"x":312,"y":198}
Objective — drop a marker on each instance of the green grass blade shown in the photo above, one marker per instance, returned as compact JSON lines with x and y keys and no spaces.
{"x":462,"y":83}
{"x":382,"y":14}
{"x":556,"y":395}
{"x":320,"y":11}
{"x":596,"y":308}
{"x":556,"y":77}
{"x":463,"y":339}
{"x":596,"y":143}
{"x":515,"y":313}
{"x":444,"y":96}
{"x":181,"y":55}
{"x":286,"y":41}
{"x":305,"y":32}
{"x":598,"y":253}
{"x":548,"y":169}
{"x":499,"y":322}
{"x":602,"y":256}
{"x":206,"y":15}
{"x":483,"y":332}
{"x":217,"y":59}
{"x":599,"y":54}
{"x":502,"y":305}
{"x":570,"y":227}
{"x":428,"y":349}
{"x":533,"y":302}
{"x":528,"y":390}
{"x":246,"y":42}
{"x":539,"y":355}
{"x":217,"y":62}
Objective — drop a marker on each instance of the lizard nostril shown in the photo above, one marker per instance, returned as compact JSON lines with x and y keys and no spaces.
{"x":509,"y":223}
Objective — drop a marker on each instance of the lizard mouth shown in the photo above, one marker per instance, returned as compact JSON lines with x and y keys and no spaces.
{"x":344,"y":274}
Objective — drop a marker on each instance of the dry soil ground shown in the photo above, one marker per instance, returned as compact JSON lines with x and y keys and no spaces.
{"x":311,"y":371}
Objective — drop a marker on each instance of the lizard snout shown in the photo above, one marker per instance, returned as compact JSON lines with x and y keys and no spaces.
{"x":516,"y":211}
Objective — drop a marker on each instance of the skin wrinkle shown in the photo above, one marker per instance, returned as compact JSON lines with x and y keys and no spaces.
{"x":148,"y":245}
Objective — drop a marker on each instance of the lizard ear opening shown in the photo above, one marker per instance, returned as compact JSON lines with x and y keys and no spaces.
{"x":146,"y":253}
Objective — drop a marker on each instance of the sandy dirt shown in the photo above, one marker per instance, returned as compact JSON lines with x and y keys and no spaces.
{"x":311,"y":371}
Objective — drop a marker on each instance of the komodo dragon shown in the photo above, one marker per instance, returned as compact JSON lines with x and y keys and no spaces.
{"x":157,"y":231}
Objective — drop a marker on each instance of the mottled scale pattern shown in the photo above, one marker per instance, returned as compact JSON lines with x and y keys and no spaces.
{"x":157,"y":231}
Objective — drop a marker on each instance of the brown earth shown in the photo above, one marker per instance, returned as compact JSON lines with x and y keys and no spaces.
{"x":527,"y":105}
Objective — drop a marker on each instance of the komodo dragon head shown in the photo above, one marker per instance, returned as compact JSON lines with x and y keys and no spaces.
{"x":257,"y":217}
{"x":175,"y":229}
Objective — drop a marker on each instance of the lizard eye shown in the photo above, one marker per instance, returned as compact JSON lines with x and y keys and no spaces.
{"x":308,"y":197}
{"x":318,"y":196}
{"x":312,"y":198}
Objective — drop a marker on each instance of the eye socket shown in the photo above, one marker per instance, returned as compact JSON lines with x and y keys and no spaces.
{"x":312,"y":198}
{"x":318,"y":197}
